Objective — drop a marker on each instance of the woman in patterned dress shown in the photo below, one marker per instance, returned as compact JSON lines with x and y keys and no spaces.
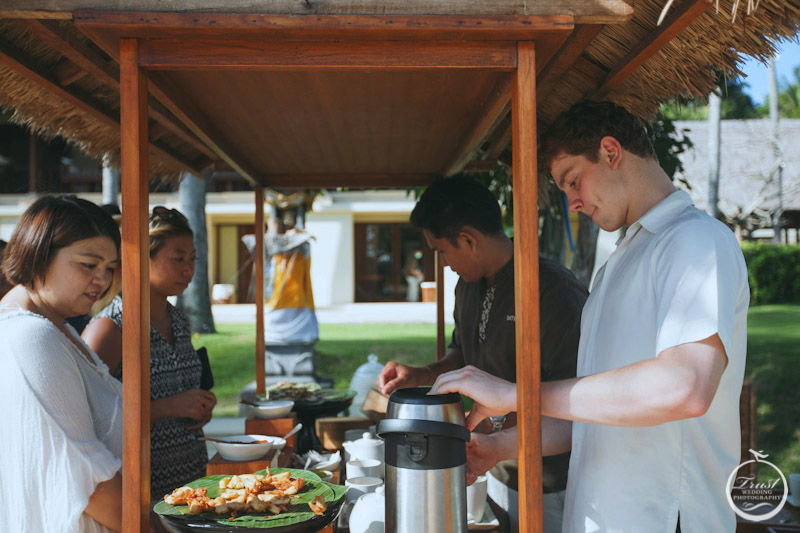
{"x":178,"y":408}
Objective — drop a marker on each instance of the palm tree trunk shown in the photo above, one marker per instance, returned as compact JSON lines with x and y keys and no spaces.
{"x":196,"y":299}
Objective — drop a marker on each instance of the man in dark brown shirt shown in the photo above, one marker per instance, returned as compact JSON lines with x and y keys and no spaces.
{"x":461,"y":220}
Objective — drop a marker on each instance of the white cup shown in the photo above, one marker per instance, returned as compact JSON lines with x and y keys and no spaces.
{"x":358,"y":486}
{"x":364,"y":468}
{"x":794,"y":489}
{"x":476,"y":499}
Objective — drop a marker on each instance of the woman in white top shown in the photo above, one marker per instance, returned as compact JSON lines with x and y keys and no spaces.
{"x":62,"y":418}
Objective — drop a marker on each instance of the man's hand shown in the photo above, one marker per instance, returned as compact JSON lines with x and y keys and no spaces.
{"x":194,"y":403}
{"x":396,"y":376}
{"x":485,"y":451}
{"x":493,"y":396}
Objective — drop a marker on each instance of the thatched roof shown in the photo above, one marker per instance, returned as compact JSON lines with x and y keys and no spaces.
{"x":615,"y":52}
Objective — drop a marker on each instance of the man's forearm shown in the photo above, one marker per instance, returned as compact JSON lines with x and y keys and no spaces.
{"x":452,"y":360}
{"x":680,"y":383}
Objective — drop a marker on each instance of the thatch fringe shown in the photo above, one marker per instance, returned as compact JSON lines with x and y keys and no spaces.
{"x":688,"y":65}
{"x":48,"y":116}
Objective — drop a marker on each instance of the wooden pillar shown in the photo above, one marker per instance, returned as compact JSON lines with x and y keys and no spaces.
{"x":440,"y":340}
{"x":136,"y":291}
{"x":526,"y":269}
{"x":259,"y":285}
{"x":33,"y":161}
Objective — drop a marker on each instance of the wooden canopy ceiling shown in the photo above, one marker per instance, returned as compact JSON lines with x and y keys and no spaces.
{"x":332,"y":100}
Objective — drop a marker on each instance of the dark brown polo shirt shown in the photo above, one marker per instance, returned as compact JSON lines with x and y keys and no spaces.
{"x":561,"y":299}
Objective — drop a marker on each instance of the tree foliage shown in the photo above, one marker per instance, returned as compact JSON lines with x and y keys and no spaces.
{"x":788,"y":98}
{"x":736,"y":104}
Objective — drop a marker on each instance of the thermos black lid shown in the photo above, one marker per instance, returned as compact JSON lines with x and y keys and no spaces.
{"x":420,"y":396}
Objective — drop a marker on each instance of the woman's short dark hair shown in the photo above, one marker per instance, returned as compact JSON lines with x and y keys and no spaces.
{"x":48,"y":225}
{"x":579,"y":129}
{"x":449,"y":204}
{"x":166,"y":223}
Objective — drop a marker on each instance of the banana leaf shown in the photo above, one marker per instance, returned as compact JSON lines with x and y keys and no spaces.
{"x":297,"y":513}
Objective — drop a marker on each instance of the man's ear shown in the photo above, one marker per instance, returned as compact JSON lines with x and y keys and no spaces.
{"x":610,"y":151}
{"x":469,"y":236}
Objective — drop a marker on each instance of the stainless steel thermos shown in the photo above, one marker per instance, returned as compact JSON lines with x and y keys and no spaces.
{"x":426,"y":456}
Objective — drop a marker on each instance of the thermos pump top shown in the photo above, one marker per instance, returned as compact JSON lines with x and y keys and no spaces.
{"x":426,"y":460}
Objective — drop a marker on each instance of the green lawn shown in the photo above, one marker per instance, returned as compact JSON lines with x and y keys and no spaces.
{"x":773,"y":364}
{"x":343,"y":348}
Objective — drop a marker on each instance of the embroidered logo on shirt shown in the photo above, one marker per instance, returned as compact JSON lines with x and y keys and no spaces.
{"x":511,"y":318}
{"x":487,"y":308}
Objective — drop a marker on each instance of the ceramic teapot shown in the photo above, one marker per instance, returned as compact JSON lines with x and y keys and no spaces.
{"x":368,"y":514}
{"x":367,"y":447}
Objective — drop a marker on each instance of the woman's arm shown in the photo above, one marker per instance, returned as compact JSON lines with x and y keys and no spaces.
{"x":104,"y":337}
{"x":105,"y":503}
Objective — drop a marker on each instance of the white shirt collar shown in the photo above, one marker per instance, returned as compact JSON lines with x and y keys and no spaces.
{"x":660,"y":214}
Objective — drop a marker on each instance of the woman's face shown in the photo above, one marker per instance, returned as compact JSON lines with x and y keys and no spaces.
{"x":77,"y":276}
{"x":172,"y":267}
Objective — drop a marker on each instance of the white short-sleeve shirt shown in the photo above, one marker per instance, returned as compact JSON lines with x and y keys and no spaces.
{"x":61,"y":431}
{"x":676,"y":276}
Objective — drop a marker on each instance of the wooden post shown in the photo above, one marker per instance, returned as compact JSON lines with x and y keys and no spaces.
{"x":136,"y":288}
{"x":526,"y":268}
{"x":259,"y":285}
{"x":33,"y":161}
{"x":440,"y":340}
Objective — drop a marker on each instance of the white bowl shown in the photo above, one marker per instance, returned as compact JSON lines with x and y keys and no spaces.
{"x":231,"y":451}
{"x":273,"y":408}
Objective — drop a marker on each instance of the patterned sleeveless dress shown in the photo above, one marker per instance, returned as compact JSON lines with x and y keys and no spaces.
{"x":176,"y":456}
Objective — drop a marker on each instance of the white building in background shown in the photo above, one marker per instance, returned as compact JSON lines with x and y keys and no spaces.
{"x":361,"y":242}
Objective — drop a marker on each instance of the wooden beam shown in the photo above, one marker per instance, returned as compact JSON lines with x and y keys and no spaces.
{"x":259,"y":296}
{"x":39,"y":74}
{"x":589,"y":70}
{"x":441,"y":343}
{"x":480,"y":165}
{"x":72,"y":48}
{"x":526,"y":288}
{"x":566,"y":56}
{"x":194,"y":119}
{"x":106,"y":71}
{"x":501,"y":26}
{"x":67,"y":72}
{"x":177,"y":54}
{"x":136,"y":288}
{"x":496,"y":106}
{"x":157,"y":130}
{"x":675,"y":23}
{"x":332,"y":181}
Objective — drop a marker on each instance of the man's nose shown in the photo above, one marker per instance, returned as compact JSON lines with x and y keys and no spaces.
{"x":442,"y":259}
{"x":574,"y":203}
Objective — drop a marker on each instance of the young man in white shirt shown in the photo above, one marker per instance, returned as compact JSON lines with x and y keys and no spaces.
{"x":654,"y":409}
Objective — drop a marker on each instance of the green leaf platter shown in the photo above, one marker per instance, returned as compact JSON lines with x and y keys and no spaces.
{"x":297,"y":513}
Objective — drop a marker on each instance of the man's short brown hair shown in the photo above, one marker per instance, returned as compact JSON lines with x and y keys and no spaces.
{"x":48,"y":225}
{"x":579,"y":129}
